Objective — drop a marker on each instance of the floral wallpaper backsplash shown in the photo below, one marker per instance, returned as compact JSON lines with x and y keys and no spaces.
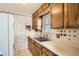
{"x":20,"y":32}
{"x":66,"y":36}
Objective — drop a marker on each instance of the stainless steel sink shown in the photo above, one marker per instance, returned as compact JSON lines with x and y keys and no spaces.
{"x":42,"y":39}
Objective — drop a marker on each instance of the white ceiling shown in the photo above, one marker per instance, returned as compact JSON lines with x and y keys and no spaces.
{"x":19,"y":8}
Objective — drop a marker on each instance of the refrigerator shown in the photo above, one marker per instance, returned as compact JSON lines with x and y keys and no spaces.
{"x":6,"y":34}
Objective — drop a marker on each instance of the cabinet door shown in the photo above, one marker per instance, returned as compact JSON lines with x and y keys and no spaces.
{"x":36,"y":23}
{"x":72,"y":15}
{"x":37,"y":51}
{"x":30,"y":44}
{"x":47,"y":52}
{"x":57,"y":15}
{"x":33,"y":50}
{"x":33,"y":22}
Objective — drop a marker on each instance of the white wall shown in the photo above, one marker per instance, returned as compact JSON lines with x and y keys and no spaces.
{"x":28,"y":20}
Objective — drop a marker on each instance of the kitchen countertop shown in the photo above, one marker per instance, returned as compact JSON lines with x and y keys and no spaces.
{"x":59,"y":48}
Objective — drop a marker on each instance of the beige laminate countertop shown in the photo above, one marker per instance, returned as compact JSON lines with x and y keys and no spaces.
{"x":59,"y":48}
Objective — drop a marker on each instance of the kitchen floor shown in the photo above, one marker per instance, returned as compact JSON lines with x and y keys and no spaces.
{"x":23,"y":52}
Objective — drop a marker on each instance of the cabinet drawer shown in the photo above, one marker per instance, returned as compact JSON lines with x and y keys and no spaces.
{"x":47,"y":52}
{"x":37,"y":45}
{"x":44,"y":54}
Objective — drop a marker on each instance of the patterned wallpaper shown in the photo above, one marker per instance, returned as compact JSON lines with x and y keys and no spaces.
{"x":66,"y":36}
{"x":20,"y":32}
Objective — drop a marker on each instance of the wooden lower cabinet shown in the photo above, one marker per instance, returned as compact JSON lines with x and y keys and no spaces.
{"x":30,"y":45}
{"x":47,"y":52}
{"x":44,"y":54}
{"x":37,"y":49}
{"x":33,"y":50}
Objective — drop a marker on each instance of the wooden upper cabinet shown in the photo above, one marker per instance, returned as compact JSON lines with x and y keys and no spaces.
{"x":34,"y":23}
{"x":35,"y":15}
{"x":63,"y":15}
{"x":43,"y":7}
{"x":40,"y":10}
{"x":57,"y":11}
{"x":34,"y":20}
{"x":71,"y":15}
